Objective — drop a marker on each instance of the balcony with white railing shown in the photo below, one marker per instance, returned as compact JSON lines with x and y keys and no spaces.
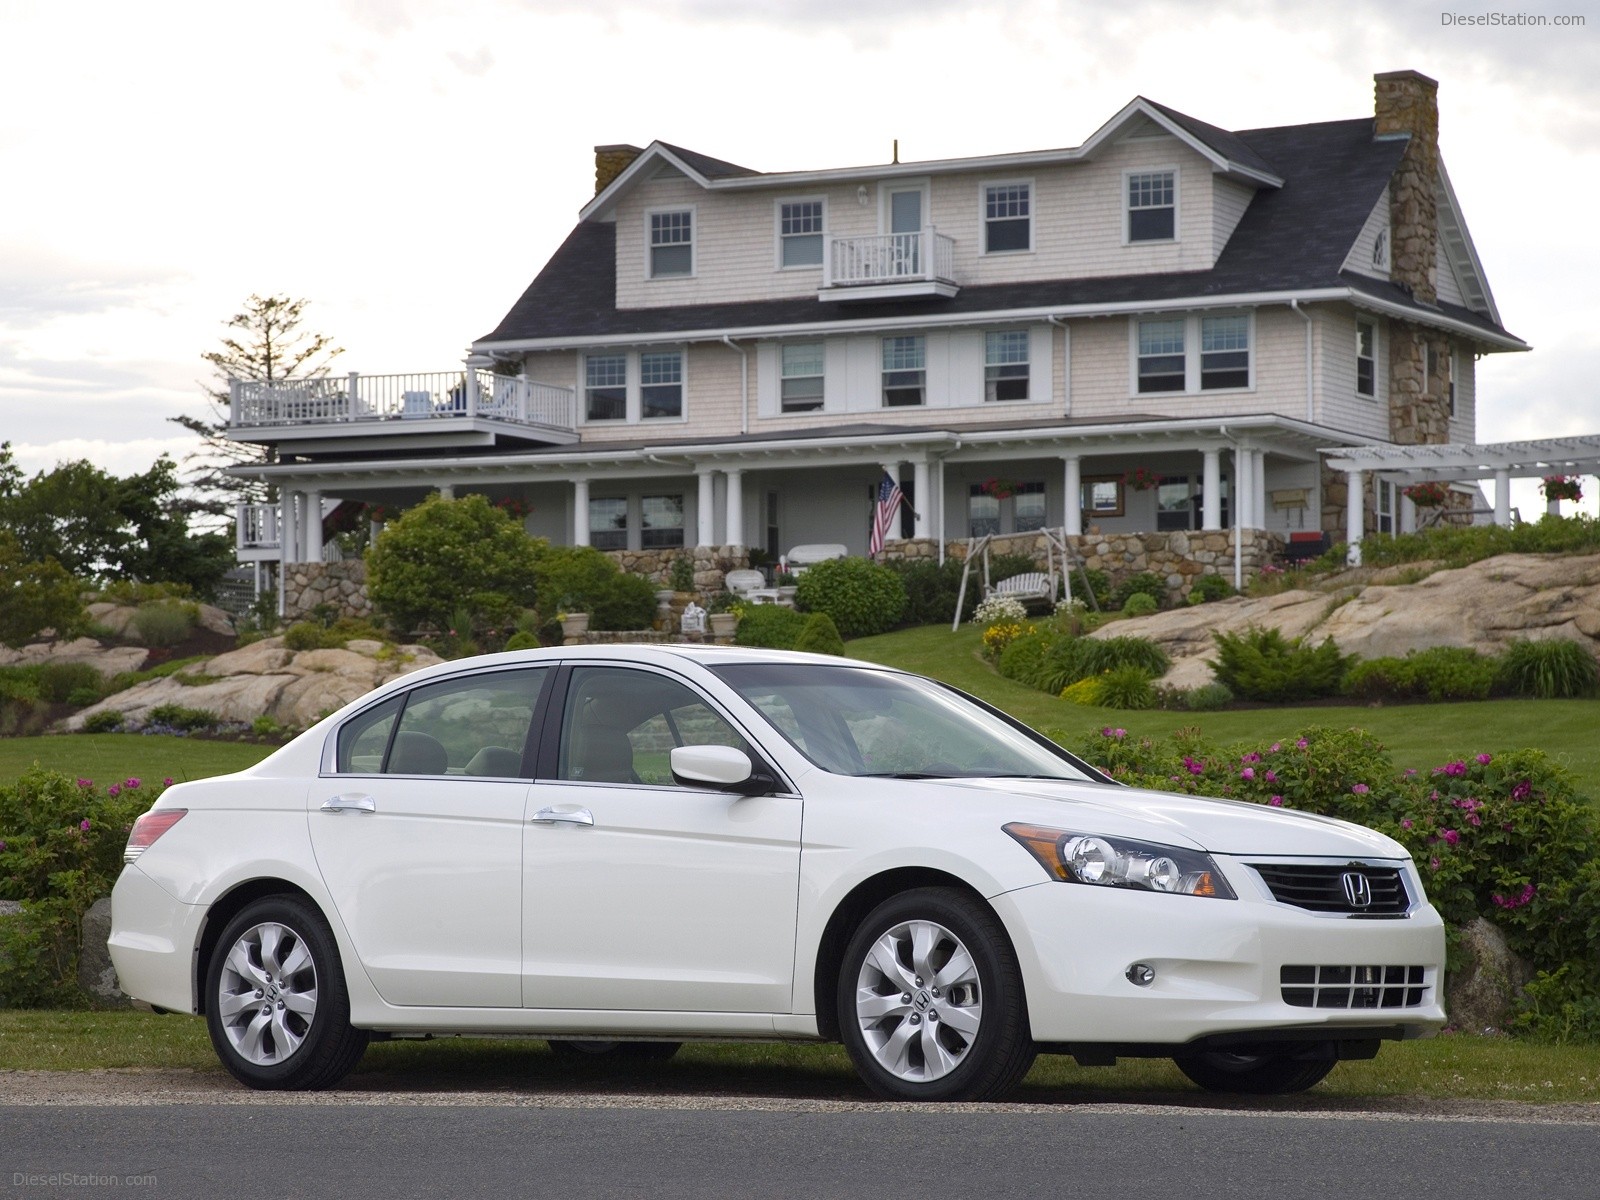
{"x":450,"y":408}
{"x":885,"y":266}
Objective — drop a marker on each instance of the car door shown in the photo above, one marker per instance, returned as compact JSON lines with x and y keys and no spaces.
{"x":418,"y":835}
{"x":640,"y":894}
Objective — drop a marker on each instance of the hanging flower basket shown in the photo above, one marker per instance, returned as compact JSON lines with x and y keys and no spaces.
{"x":1000,"y":489}
{"x":514,"y":506}
{"x":1141,"y":479}
{"x":1562,"y":487}
{"x":1426,"y":495}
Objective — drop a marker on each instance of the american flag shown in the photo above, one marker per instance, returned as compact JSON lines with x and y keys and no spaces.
{"x":889,"y":501}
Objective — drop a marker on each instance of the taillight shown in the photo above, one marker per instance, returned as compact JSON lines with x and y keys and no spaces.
{"x":148,"y":828}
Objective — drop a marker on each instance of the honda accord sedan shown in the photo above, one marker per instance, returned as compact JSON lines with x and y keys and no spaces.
{"x":623,"y":848}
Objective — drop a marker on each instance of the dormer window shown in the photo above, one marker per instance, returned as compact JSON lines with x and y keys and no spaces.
{"x":1007,"y":217}
{"x":800,"y":233}
{"x":1152,"y":206}
{"x":672,"y":243}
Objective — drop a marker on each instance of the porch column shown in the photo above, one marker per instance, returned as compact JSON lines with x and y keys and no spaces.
{"x":1244,"y":488}
{"x":288,"y":526}
{"x":580,"y":512}
{"x":1258,"y":486}
{"x":1502,"y":497}
{"x":735,"y":501}
{"x":1552,"y":506}
{"x":1355,"y":519}
{"x":1211,"y":489}
{"x":1073,"y":510}
{"x":313,"y":520}
{"x":1408,"y":514}
{"x":447,"y":490}
{"x":923,"y":497}
{"x":705,"y":517}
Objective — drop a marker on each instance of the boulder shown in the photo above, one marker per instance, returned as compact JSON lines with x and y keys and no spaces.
{"x":240,"y":698}
{"x":348,"y":665}
{"x":266,"y":657}
{"x":108,"y":661}
{"x":1481,"y":994}
{"x":96,"y":976}
{"x":305,"y":700}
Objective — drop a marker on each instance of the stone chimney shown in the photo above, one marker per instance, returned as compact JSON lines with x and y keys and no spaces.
{"x":611,"y":161}
{"x":1407,"y":102}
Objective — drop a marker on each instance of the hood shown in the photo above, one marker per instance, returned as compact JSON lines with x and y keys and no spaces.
{"x":1233,"y":827}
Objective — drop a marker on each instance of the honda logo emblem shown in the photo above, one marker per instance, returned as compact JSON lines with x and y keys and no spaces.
{"x":1357,"y":889}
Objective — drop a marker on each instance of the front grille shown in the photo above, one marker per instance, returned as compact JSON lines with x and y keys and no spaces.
{"x":1322,"y":888}
{"x":1353,"y":987}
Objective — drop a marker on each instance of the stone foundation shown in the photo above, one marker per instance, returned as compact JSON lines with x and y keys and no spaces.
{"x":711,"y":564}
{"x":341,"y":585}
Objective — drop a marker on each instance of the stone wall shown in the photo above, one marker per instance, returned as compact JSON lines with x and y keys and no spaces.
{"x":342,"y":585}
{"x":711,"y":564}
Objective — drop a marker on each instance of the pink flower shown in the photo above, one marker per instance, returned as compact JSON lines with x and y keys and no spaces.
{"x":167,"y":782}
{"x":1119,"y":734}
{"x":1193,"y":765}
{"x":2,"y":847}
{"x":1405,"y":822}
{"x":1251,"y":757}
{"x":1450,"y":836}
{"x":1360,"y":789}
{"x":86,"y":783}
{"x":84,"y":824}
{"x":1271,"y":777}
{"x":1276,"y":802}
{"x":1301,"y":744}
{"x":1248,"y":773}
{"x":1434,"y":863}
{"x":1522,"y":791}
{"x":1475,"y":819}
{"x":1276,"y":746}
{"x":1485,"y":759}
{"x":1410,"y":771}
{"x":131,"y":783}
{"x":113,"y":791}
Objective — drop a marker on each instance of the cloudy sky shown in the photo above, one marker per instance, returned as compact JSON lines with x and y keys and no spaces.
{"x":408,"y":165}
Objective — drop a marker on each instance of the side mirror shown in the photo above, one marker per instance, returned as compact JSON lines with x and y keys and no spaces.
{"x":724,"y":768}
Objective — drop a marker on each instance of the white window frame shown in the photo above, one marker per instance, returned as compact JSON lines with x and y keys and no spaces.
{"x":821,"y":376}
{"x":683,"y":522}
{"x":634,"y":406}
{"x":649,"y":242}
{"x":983,"y":215}
{"x":1372,"y":325}
{"x":1177,"y":206}
{"x":683,"y":384}
{"x":583,"y":388}
{"x":627,"y":522}
{"x":778,"y":235}
{"x":1249,"y":351}
{"x":1027,"y":341}
{"x":1192,"y":352}
{"x":885,"y":371}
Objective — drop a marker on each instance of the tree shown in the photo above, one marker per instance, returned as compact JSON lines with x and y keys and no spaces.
{"x":267,"y":345}
{"x":35,"y":596}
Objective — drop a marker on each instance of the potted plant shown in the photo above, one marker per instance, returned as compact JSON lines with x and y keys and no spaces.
{"x":787,"y":586}
{"x":1562,"y":487}
{"x":681,"y":574}
{"x":573,"y":623}
{"x":1426,"y":495}
{"x":725,"y":611}
{"x":1000,"y":489}
{"x":1141,"y":479}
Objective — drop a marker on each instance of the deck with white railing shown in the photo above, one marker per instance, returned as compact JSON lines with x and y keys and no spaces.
{"x":433,"y":399}
{"x":885,"y":265}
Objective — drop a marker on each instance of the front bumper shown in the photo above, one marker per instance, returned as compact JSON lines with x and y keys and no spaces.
{"x":1217,"y":966}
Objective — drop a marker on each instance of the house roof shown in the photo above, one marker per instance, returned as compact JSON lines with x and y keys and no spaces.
{"x":1291,"y":240}
{"x":711,"y":168}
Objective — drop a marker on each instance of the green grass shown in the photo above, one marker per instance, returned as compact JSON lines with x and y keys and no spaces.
{"x":1458,"y":1066}
{"x":1416,"y":735}
{"x":110,"y":757}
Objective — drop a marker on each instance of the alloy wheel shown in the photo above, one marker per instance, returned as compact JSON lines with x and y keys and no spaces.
{"x":918,"y":1002}
{"x":267,"y":993}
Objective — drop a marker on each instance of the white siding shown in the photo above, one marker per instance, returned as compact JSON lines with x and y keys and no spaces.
{"x":1228,"y":202}
{"x":1360,"y":257}
{"x":1448,"y":283}
{"x":1286,"y":474}
{"x":1337,"y":404}
{"x":711,"y":399}
{"x":1464,"y":426}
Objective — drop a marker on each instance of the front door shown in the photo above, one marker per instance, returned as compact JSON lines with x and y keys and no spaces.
{"x":418,"y":835}
{"x":905,"y":224}
{"x":640,"y":894}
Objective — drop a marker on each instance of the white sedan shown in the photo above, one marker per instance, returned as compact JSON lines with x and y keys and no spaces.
{"x":620,"y":848}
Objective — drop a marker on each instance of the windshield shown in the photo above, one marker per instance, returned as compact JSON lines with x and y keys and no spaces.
{"x":856,"y":721}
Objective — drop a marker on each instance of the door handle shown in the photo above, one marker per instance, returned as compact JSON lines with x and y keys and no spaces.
{"x":350,"y":802}
{"x":560,"y":816}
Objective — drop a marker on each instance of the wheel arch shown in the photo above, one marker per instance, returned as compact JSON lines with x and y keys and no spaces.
{"x":850,"y":912}
{"x":224,"y":909}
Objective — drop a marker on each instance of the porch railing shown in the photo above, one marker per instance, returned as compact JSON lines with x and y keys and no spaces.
{"x":423,"y":396}
{"x":890,"y":258}
{"x":256,"y":527}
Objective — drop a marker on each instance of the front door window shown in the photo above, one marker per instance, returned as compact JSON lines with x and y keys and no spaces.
{"x":905,"y":223}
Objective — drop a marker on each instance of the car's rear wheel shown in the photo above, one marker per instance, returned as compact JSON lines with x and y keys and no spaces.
{"x":930,"y":1000}
{"x":276,"y":1003}
{"x":590,"y":1050}
{"x":1276,"y":1073}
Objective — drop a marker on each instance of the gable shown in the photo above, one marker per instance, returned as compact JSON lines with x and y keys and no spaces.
{"x":1369,"y":255}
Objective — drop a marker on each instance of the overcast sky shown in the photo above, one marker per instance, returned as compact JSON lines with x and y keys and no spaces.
{"x":408,"y":165}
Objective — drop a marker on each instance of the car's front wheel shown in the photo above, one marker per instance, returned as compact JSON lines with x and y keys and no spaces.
{"x":1276,"y":1073}
{"x":930,"y":1000}
{"x":276,"y":1003}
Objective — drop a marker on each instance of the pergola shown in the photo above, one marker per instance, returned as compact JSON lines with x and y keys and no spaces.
{"x":1500,"y":461}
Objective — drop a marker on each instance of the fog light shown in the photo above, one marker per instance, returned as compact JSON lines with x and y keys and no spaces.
{"x":1141,"y":974}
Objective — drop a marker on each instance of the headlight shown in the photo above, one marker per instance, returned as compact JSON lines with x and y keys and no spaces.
{"x":1122,"y":862}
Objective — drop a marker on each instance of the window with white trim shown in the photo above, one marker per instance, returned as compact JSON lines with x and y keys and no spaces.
{"x":1005,"y":365}
{"x":800,"y":224}
{"x":1007,"y":217}
{"x":605,"y":387}
{"x":608,"y":522}
{"x":660,"y":522}
{"x":1387,"y":504}
{"x":671,"y":243}
{"x":1027,"y":506}
{"x":1224,"y":352}
{"x":661,"y":385}
{"x":1162,"y":360}
{"x":1455,"y":365}
{"x":1152,"y":206}
{"x":905,"y":374}
{"x":800,"y":382}
{"x":1366,"y":358}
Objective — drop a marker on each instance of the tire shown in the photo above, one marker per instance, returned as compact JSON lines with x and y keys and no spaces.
{"x":1278,"y":1073}
{"x":930,"y":1000}
{"x":276,"y":1002}
{"x":593,"y":1052}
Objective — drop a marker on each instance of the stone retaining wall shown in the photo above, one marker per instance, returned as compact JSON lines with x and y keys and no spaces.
{"x":711,"y":564}
{"x":343,"y":585}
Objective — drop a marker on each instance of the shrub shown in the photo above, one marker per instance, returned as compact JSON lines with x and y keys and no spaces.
{"x":1548,"y":669}
{"x":1207,"y":588}
{"x":626,"y":601}
{"x":1000,"y":610}
{"x":1261,"y":664}
{"x":861,"y":597}
{"x":443,"y":555}
{"x":164,"y":622}
{"x":1140,"y":604}
{"x":931,"y":590}
{"x":1456,"y":546}
{"x":182,"y":718}
{"x":308,"y":635}
{"x":1126,"y":687}
{"x":997,"y":637}
{"x":1208,"y":697}
{"x":1068,"y":659}
{"x":1099,"y":583}
{"x":83,"y":697}
{"x":771,"y":626}
{"x":1086,"y":692}
{"x":1148,"y":582}
{"x":680,"y":576}
{"x":264,"y":726}
{"x":107,"y":720}
{"x":59,"y":681}
{"x":583,"y":579}
{"x":818,"y":636}
{"x":523,"y":641}
{"x":1022,"y":656}
{"x":1440,"y":673}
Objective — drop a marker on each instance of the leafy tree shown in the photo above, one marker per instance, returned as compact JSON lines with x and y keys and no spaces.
{"x":34,"y":596}
{"x":444,"y":556}
{"x":266,"y":344}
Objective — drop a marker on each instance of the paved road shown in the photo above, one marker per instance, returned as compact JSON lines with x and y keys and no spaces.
{"x":508,"y":1147}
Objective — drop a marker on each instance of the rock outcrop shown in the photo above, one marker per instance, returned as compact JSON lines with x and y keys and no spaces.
{"x":108,"y":660}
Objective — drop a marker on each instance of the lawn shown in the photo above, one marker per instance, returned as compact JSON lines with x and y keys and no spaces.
{"x":111,"y":757}
{"x":1416,"y":735}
